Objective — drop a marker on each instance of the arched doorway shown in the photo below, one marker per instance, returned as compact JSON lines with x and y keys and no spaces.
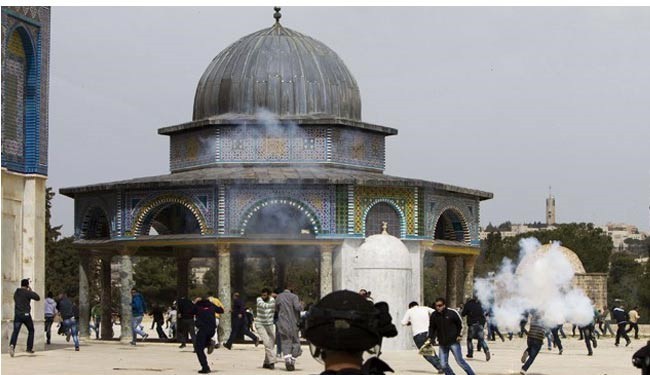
{"x":382,"y":212}
{"x":95,"y":225}
{"x":451,"y":226}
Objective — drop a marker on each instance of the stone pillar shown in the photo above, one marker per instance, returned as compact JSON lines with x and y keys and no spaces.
{"x":126,"y":283}
{"x":326,"y":269}
{"x":238,"y":272}
{"x":468,"y":272}
{"x":280,"y":268}
{"x":452,"y":277}
{"x":182,"y":273}
{"x":84,"y":291}
{"x":107,"y":301}
{"x":223,"y":251}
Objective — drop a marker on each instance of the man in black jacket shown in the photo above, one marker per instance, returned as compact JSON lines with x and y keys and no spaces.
{"x":70,"y":316}
{"x":204,"y":311}
{"x":446,"y":326}
{"x":621,"y":320}
{"x":185,"y":320}
{"x":22,"y":315}
{"x":475,"y":326}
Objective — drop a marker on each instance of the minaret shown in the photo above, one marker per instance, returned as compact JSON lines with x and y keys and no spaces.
{"x":550,"y":208}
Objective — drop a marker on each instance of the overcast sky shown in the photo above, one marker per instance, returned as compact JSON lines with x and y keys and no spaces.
{"x":505,"y":100}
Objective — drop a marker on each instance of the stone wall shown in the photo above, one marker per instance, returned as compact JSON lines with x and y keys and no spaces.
{"x":23,"y":249}
{"x":594,"y":286}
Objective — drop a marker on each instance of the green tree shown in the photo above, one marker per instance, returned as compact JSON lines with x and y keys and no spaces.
{"x":155,"y":278}
{"x":61,"y":258}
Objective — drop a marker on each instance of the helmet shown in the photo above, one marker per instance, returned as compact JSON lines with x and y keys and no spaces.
{"x":345,"y":321}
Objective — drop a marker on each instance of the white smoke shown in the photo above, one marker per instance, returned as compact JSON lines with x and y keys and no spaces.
{"x":541,"y":282}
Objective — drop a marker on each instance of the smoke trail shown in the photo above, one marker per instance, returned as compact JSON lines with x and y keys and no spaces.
{"x":542,"y":281}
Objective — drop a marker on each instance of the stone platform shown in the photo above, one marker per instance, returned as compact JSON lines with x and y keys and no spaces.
{"x":111,"y":357}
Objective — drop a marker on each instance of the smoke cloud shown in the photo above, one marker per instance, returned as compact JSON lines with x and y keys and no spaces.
{"x":541,"y":282}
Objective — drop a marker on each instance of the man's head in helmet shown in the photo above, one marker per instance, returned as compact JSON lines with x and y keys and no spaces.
{"x":343,"y":324}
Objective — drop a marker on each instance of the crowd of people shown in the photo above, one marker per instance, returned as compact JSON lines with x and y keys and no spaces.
{"x":340,"y":328}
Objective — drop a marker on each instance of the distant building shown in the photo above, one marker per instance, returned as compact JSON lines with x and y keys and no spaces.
{"x":620,"y":232}
{"x":550,"y":209}
{"x":517,"y":229}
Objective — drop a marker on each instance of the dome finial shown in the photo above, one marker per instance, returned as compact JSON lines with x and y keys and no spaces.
{"x":277,"y":14}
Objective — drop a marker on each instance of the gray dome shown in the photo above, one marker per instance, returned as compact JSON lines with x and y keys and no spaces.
{"x":281,"y":70}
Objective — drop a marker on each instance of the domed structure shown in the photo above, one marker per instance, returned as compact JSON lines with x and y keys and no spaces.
{"x":573,"y":259}
{"x":281,"y":70}
{"x":276,"y":163}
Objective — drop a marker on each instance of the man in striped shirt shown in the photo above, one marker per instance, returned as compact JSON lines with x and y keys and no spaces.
{"x":535,"y":341}
{"x":265,"y":326}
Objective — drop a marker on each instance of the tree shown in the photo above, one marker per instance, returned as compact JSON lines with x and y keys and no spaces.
{"x":61,"y":258}
{"x":155,"y":278}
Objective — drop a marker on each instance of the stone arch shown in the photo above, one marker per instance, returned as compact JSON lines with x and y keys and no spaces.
{"x":20,"y":46}
{"x":95,"y":224}
{"x":292,"y":207}
{"x":377,"y":203}
{"x":149,"y":210}
{"x":451,"y":225}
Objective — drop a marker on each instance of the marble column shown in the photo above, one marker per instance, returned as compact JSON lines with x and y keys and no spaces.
{"x":107,"y":301}
{"x":326,"y":269}
{"x":126,"y":283}
{"x":84,"y":291}
{"x":452,"y":277}
{"x":223,"y":251}
{"x":468,"y":272}
{"x":182,"y":273}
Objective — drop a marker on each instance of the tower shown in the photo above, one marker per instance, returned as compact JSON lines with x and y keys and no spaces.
{"x":550,"y":208}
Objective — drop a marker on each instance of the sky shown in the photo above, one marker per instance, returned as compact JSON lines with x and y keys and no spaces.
{"x":500,"y":99}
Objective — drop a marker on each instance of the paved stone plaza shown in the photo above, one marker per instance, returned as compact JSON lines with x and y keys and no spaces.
{"x":101,"y":357}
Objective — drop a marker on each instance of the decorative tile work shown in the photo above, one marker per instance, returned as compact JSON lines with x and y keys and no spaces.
{"x":402,"y":199}
{"x":29,"y":154}
{"x":319,"y":200}
{"x":250,"y":143}
{"x":436,"y":204}
{"x":401,"y":226}
{"x":193,"y":149}
{"x":358,"y":148}
{"x":341,"y":209}
{"x":200,"y":201}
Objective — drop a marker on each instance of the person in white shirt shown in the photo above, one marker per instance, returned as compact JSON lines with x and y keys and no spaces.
{"x":418,"y":318}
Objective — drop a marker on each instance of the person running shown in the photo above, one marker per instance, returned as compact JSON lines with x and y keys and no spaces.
{"x":556,"y":338}
{"x":239,"y":322}
{"x":493,"y":329}
{"x":96,"y":316}
{"x":50,"y":312}
{"x":634,"y":322}
{"x":206,"y":325}
{"x":621,"y":321}
{"x":22,"y":315}
{"x":476,"y":324}
{"x":158,"y":321}
{"x":588,"y":333}
{"x":172,"y":318}
{"x":418,"y":318}
{"x":138,"y":307}
{"x":606,"y":322}
{"x":288,"y":307}
{"x":534,"y":341}
{"x":69,"y":315}
{"x":185,"y":321}
{"x":446,"y":326}
{"x":219,"y":335}
{"x":266,"y":327}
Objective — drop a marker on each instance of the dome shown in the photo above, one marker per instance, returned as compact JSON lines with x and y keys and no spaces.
{"x":282,"y":71}
{"x":383,"y":251}
{"x":573,"y":259}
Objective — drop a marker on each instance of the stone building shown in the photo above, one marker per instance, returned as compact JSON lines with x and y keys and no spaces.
{"x":594,"y":284}
{"x":25,"y":82}
{"x":276,"y":163}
